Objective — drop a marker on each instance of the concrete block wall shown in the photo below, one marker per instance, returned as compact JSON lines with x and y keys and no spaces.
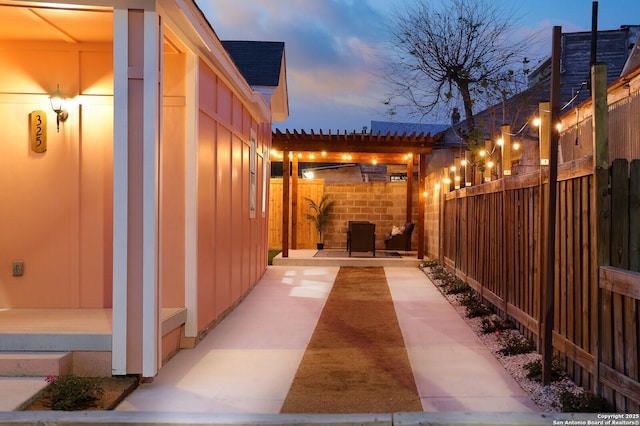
{"x":432,"y":216}
{"x":383,"y":203}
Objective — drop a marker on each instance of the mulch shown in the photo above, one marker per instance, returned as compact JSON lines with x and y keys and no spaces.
{"x":356,"y":361}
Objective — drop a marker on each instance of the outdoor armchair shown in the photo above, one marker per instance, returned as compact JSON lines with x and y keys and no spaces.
{"x":362,"y":237}
{"x":400,"y":241}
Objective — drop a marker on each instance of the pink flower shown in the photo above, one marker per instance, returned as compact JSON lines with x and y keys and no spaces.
{"x":50,"y":379}
{"x":497,"y":332}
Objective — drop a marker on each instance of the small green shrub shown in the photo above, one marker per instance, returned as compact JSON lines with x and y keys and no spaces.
{"x":457,"y":286}
{"x":582,"y":402}
{"x":474,"y":308}
{"x":72,"y":392}
{"x":441,"y":273}
{"x":430,"y":263}
{"x":534,"y":370}
{"x":514,"y":343}
{"x":493,"y":324}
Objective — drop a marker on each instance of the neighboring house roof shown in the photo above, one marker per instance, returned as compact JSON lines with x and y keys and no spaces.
{"x":614,"y":48}
{"x":634,"y":59}
{"x":391,"y":127}
{"x":263,"y":65}
{"x":259,"y":61}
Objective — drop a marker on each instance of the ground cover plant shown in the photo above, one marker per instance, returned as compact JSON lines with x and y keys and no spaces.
{"x":502,"y":338}
{"x":72,"y":392}
{"x":582,"y":402}
{"x":514,"y":343}
{"x":494,"y":323}
{"x":534,"y":370}
{"x":475,"y":308}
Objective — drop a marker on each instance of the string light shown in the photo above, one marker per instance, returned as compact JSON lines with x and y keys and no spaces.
{"x":537,"y":122}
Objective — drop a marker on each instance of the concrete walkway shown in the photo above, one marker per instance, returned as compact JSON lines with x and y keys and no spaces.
{"x":247,"y":363}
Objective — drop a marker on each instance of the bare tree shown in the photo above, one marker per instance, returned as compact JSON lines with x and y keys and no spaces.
{"x":457,"y":48}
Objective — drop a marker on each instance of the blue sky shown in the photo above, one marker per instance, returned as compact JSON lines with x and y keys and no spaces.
{"x":334,"y":48}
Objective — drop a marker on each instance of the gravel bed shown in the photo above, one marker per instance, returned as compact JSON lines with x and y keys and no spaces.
{"x":547,"y":398}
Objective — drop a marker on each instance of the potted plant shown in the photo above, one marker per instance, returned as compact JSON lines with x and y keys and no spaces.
{"x":320,"y":215}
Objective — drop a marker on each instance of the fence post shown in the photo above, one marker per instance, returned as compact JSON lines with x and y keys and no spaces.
{"x":409,"y":212}
{"x":294,"y":202}
{"x":285,"y":203}
{"x":544,"y":109}
{"x":443,"y":191}
{"x":507,"y":249}
{"x":600,"y":209}
{"x":487,"y":160}
{"x":422,"y":179}
{"x":506,"y":150}
{"x":554,"y":136}
{"x":468,"y":168}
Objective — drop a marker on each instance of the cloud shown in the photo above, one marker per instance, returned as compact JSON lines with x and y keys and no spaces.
{"x":335,"y":48}
{"x":332,"y":46}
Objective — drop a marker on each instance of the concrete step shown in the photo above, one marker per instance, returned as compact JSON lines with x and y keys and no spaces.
{"x":34,"y":364}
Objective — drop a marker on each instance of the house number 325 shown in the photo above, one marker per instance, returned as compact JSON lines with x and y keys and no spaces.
{"x":38,"y":131}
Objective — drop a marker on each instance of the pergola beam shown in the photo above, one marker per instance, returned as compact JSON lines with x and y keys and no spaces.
{"x":344,"y":158}
{"x":355,"y":142}
{"x":351,"y":147}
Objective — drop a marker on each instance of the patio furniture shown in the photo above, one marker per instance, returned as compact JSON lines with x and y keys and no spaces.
{"x":400,"y":241}
{"x":361,"y":237}
{"x":349,"y":230}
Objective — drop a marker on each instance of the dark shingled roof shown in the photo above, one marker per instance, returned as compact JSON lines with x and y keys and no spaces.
{"x":387,"y":126}
{"x":259,"y":61}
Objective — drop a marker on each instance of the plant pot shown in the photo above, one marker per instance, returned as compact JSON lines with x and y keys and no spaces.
{"x":320,"y":246}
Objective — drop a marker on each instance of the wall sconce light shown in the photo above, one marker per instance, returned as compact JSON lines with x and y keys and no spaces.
{"x":57,"y":105}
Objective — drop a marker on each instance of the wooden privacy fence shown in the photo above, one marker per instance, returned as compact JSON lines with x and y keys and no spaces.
{"x":620,"y":291}
{"x":307,"y":235}
{"x":493,"y":236}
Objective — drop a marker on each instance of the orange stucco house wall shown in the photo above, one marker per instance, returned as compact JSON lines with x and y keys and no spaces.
{"x":141,"y":200}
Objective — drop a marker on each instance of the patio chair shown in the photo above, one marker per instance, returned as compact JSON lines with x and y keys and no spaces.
{"x":351,"y":222}
{"x":400,"y":241}
{"x":362,"y":237}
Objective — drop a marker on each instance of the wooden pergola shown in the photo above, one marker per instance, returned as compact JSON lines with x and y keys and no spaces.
{"x":350,"y":147}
